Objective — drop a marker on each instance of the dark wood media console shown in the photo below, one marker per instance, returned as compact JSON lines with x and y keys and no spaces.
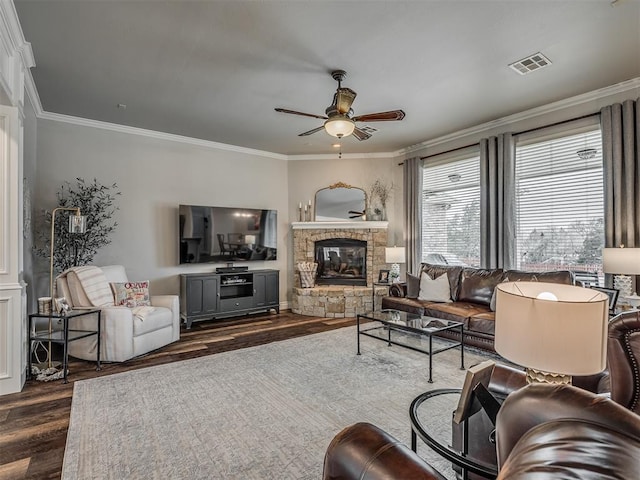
{"x":205,"y":296}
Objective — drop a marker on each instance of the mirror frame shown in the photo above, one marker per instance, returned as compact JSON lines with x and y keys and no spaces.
{"x":335,"y":186}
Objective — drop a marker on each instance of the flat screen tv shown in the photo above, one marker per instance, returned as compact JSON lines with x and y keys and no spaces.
{"x":227,"y":235}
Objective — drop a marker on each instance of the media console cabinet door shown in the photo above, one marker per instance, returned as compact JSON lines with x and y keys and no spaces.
{"x":201,"y":295}
{"x":266,"y":288}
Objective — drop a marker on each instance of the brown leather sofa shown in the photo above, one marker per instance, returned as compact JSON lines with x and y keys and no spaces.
{"x":542,"y":431}
{"x":471,"y":291}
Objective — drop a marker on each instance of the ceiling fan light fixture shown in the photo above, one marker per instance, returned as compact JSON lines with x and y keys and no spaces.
{"x":339,"y":126}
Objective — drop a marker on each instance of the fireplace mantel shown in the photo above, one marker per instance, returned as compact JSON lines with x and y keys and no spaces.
{"x":333,"y":225}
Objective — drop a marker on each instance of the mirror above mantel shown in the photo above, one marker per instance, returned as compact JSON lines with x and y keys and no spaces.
{"x":340,"y":202}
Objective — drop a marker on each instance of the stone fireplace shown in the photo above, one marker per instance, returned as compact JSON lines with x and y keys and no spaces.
{"x":344,"y":287}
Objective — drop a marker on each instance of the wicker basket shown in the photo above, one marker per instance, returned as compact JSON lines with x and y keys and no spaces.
{"x":307,"y":274}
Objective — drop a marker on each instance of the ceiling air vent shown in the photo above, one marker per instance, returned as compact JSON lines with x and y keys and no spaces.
{"x":530,"y":63}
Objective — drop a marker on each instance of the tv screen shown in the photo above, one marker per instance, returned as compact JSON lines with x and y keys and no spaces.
{"x":224,"y":234}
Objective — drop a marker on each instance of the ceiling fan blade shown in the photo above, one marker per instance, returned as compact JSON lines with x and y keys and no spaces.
{"x":360,"y":134}
{"x":311,"y":132}
{"x":293,"y":112}
{"x":343,"y":99}
{"x":380,"y":116}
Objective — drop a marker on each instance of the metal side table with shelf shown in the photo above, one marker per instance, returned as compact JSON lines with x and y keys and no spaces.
{"x":63,"y":336}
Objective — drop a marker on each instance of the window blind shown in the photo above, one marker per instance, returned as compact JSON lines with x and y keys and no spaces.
{"x":451,"y":211}
{"x":560,"y":203}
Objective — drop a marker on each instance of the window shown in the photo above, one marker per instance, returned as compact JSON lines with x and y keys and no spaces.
{"x":560,"y":202}
{"x":451,"y":209}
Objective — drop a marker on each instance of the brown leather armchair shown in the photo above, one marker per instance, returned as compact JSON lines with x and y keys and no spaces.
{"x":543,"y":431}
{"x":623,"y":358}
{"x":505,"y":380}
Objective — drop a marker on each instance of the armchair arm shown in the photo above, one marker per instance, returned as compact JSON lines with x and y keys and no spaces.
{"x":365,"y":452}
{"x":116,"y":338}
{"x":539,"y":403}
{"x":171,"y":302}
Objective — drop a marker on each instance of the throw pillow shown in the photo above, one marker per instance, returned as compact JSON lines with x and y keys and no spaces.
{"x":435,"y":290}
{"x":413,"y":286}
{"x":131,"y":294}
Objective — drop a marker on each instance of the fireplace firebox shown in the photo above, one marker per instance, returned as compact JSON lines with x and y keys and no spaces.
{"x":341,"y":261}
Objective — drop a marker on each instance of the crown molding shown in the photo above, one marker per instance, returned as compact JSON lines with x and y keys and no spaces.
{"x":114,"y":127}
{"x":577,"y":100}
{"x":345,"y":156}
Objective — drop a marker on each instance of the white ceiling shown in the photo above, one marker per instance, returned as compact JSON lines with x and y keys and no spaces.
{"x":215,"y":70}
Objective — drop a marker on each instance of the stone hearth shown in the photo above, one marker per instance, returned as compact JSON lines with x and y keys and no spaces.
{"x":338,"y":301}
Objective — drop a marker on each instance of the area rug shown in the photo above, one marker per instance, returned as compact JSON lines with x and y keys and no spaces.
{"x":263,"y":412}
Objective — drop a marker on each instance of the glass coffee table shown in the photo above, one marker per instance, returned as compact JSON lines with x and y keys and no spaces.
{"x":388,"y":321}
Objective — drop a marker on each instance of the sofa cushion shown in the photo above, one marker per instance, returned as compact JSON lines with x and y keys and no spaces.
{"x":413,"y":286}
{"x":477,"y":285}
{"x":556,"y":276}
{"x":484,"y":322}
{"x":453,"y":273}
{"x":156,"y":319}
{"x":456,"y":311}
{"x":434,"y":290}
{"x":560,"y":276}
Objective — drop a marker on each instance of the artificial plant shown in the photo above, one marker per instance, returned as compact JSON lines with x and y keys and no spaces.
{"x":98,"y":203}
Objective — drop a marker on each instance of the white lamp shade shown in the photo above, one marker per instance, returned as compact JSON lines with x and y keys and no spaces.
{"x":394,"y":255}
{"x":621,"y":261}
{"x":566,"y":336}
{"x":339,"y":126}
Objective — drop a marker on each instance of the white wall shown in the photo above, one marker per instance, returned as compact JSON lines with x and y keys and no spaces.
{"x":155,"y":176}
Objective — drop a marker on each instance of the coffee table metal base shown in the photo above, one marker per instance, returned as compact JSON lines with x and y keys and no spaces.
{"x":411,"y":327}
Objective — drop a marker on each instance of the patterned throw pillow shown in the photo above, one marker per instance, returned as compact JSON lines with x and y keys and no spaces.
{"x":131,"y":294}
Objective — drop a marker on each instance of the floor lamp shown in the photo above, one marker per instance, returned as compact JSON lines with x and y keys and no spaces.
{"x":77,"y":224}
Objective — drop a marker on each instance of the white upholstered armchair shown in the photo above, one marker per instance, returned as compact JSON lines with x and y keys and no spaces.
{"x":126,"y":332}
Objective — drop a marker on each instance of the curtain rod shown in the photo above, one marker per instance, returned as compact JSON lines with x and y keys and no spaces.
{"x":514,"y":134}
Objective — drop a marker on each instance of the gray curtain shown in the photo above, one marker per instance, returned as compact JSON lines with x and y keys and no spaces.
{"x":412,"y":188}
{"x":620,"y":125}
{"x":497,"y":207}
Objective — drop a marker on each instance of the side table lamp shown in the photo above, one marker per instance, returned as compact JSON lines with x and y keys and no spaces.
{"x":77,"y":225}
{"x":395,"y":256}
{"x":553,"y":330}
{"x":622,"y":262}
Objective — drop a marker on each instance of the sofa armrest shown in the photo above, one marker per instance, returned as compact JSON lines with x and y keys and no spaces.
{"x":539,"y":403}
{"x":363,"y":451}
{"x":398,"y":290}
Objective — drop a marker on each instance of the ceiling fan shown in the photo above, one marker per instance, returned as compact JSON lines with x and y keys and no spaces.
{"x":340,"y":121}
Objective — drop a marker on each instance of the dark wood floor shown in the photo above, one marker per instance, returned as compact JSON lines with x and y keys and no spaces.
{"x":34,"y":422}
